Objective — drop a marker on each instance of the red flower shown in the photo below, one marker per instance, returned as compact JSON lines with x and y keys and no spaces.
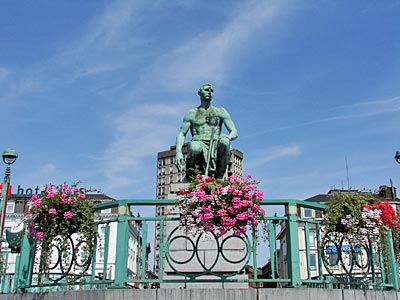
{"x":388,"y":215}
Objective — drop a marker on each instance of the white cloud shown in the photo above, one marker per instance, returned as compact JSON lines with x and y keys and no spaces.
{"x":95,"y":70}
{"x":143,"y":131}
{"x":210,"y":55}
{"x":345,"y":112}
{"x":369,"y":108}
{"x":3,"y":73}
{"x":269,"y":155}
{"x":106,"y":31}
{"x":140,"y":134}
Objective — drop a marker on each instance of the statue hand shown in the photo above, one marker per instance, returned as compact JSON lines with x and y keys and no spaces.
{"x":224,"y":136}
{"x":179,"y":159}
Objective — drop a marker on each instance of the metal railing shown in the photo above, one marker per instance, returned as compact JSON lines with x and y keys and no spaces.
{"x":290,"y":251}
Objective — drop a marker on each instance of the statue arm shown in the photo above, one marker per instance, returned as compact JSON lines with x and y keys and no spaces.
{"x":230,"y":126}
{"x":180,"y":139}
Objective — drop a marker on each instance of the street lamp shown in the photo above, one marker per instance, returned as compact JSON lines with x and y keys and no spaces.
{"x":9,"y":157}
{"x":397,"y":156}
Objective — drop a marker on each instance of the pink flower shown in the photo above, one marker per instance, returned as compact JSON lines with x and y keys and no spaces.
{"x":237,"y":193}
{"x":39,"y":234}
{"x":248,"y":195}
{"x":209,"y":179}
{"x":34,"y":197}
{"x":71,"y":200}
{"x":52,"y":211}
{"x":68,"y":215}
{"x":81,"y":195}
{"x":221,"y":213}
{"x":37,"y":202}
{"x":242,"y":216}
{"x":247,"y":188}
{"x":259,"y":195}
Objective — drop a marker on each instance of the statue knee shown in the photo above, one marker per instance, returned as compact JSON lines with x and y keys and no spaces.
{"x":195,"y":148}
{"x":224,"y":142}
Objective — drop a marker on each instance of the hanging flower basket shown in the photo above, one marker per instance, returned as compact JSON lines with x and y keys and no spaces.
{"x":220,"y":206}
{"x":56,"y":214}
{"x":360,"y":216}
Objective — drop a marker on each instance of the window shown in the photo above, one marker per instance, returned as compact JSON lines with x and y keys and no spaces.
{"x":307,"y":213}
{"x":10,"y":208}
{"x":101,"y":253}
{"x":106,"y":211}
{"x":103,"y":231}
{"x":311,"y":238}
{"x":313,"y":261}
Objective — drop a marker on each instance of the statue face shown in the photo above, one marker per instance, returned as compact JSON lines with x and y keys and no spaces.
{"x":206,"y":92}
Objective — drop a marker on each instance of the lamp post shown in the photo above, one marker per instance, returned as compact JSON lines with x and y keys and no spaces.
{"x":9,"y":157}
{"x":397,"y":156}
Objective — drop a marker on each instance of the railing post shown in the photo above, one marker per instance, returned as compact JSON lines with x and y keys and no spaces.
{"x":394,"y":271}
{"x":24,"y":267}
{"x":121,"y":255}
{"x":293,"y":244}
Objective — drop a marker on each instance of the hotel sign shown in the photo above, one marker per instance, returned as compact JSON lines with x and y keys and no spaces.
{"x":30,"y":191}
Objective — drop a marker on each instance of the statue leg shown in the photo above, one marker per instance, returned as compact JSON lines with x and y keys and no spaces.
{"x":223,"y":156}
{"x":194,"y":158}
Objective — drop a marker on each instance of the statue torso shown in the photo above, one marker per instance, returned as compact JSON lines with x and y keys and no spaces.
{"x":205,"y":123}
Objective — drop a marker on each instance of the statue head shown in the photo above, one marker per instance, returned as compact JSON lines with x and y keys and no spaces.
{"x":206,"y":92}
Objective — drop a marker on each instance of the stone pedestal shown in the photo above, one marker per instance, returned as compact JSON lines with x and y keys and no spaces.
{"x":205,"y":255}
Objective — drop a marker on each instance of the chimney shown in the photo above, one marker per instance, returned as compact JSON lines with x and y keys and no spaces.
{"x":387,"y":192}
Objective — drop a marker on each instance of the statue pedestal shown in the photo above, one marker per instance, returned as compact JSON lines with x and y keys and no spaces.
{"x":202,"y":256}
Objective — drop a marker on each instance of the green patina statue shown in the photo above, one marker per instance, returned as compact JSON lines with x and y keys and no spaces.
{"x":209,"y":149}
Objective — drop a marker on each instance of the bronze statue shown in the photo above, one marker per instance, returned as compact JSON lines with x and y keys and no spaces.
{"x":209,"y":149}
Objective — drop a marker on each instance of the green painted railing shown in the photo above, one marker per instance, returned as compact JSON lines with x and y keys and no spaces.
{"x":291,"y":251}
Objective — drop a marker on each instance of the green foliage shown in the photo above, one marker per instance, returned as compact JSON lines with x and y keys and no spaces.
{"x":343,"y":204}
{"x":194,"y":172}
{"x":54,"y":215}
{"x":355,"y":211}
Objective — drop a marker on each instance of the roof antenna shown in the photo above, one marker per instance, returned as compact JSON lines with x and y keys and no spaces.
{"x":347,"y":174}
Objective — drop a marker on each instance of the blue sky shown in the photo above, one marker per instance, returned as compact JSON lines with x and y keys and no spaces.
{"x":92,"y":90}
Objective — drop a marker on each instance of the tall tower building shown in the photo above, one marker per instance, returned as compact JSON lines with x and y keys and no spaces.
{"x":168,"y":174}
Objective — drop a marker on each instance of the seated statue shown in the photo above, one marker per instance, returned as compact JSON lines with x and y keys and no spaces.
{"x":209,"y":150}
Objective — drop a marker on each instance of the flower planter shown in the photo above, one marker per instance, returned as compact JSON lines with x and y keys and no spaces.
{"x":56,"y":214}
{"x":220,"y":206}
